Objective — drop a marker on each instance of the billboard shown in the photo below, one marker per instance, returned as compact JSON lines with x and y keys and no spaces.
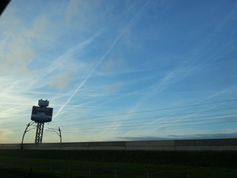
{"x":41,"y":114}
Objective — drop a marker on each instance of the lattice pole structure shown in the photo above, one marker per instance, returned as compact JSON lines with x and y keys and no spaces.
{"x":41,"y":114}
{"x":39,"y":132}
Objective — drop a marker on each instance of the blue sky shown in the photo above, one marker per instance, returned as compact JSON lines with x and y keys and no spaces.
{"x":120,"y":69}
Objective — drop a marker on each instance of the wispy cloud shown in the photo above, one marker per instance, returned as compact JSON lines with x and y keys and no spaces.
{"x":5,"y":135}
{"x":101,"y":60}
{"x":94,"y":58}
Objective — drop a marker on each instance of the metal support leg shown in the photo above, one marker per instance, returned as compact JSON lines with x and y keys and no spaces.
{"x":39,"y":133}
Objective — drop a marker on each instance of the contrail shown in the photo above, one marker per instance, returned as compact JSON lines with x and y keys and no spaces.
{"x":88,"y":75}
{"x":57,"y":62}
{"x":130,"y":23}
{"x":91,"y":72}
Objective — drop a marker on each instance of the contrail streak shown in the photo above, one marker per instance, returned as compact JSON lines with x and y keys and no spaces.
{"x":91,"y":72}
{"x":129,"y":24}
{"x":70,"y":52}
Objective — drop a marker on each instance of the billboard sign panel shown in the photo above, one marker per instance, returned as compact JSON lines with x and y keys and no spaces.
{"x":41,"y":114}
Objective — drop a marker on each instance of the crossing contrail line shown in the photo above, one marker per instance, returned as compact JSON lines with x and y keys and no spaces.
{"x":91,"y":72}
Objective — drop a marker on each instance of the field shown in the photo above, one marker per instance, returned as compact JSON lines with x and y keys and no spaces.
{"x":117,"y":164}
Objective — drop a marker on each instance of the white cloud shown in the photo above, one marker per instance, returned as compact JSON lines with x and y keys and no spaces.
{"x":5,"y":135}
{"x":62,"y":80}
{"x":16,"y":54}
{"x":113,"y":66}
{"x":18,"y":39}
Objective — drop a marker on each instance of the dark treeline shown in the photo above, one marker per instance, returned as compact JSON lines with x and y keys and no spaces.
{"x":194,"y":158}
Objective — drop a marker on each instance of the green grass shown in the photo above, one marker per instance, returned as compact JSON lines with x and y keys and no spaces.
{"x":121,"y":164}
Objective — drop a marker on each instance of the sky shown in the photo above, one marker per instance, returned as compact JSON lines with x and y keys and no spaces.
{"x":120,"y":69}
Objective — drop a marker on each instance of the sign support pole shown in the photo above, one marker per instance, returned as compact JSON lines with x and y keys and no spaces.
{"x":39,"y":133}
